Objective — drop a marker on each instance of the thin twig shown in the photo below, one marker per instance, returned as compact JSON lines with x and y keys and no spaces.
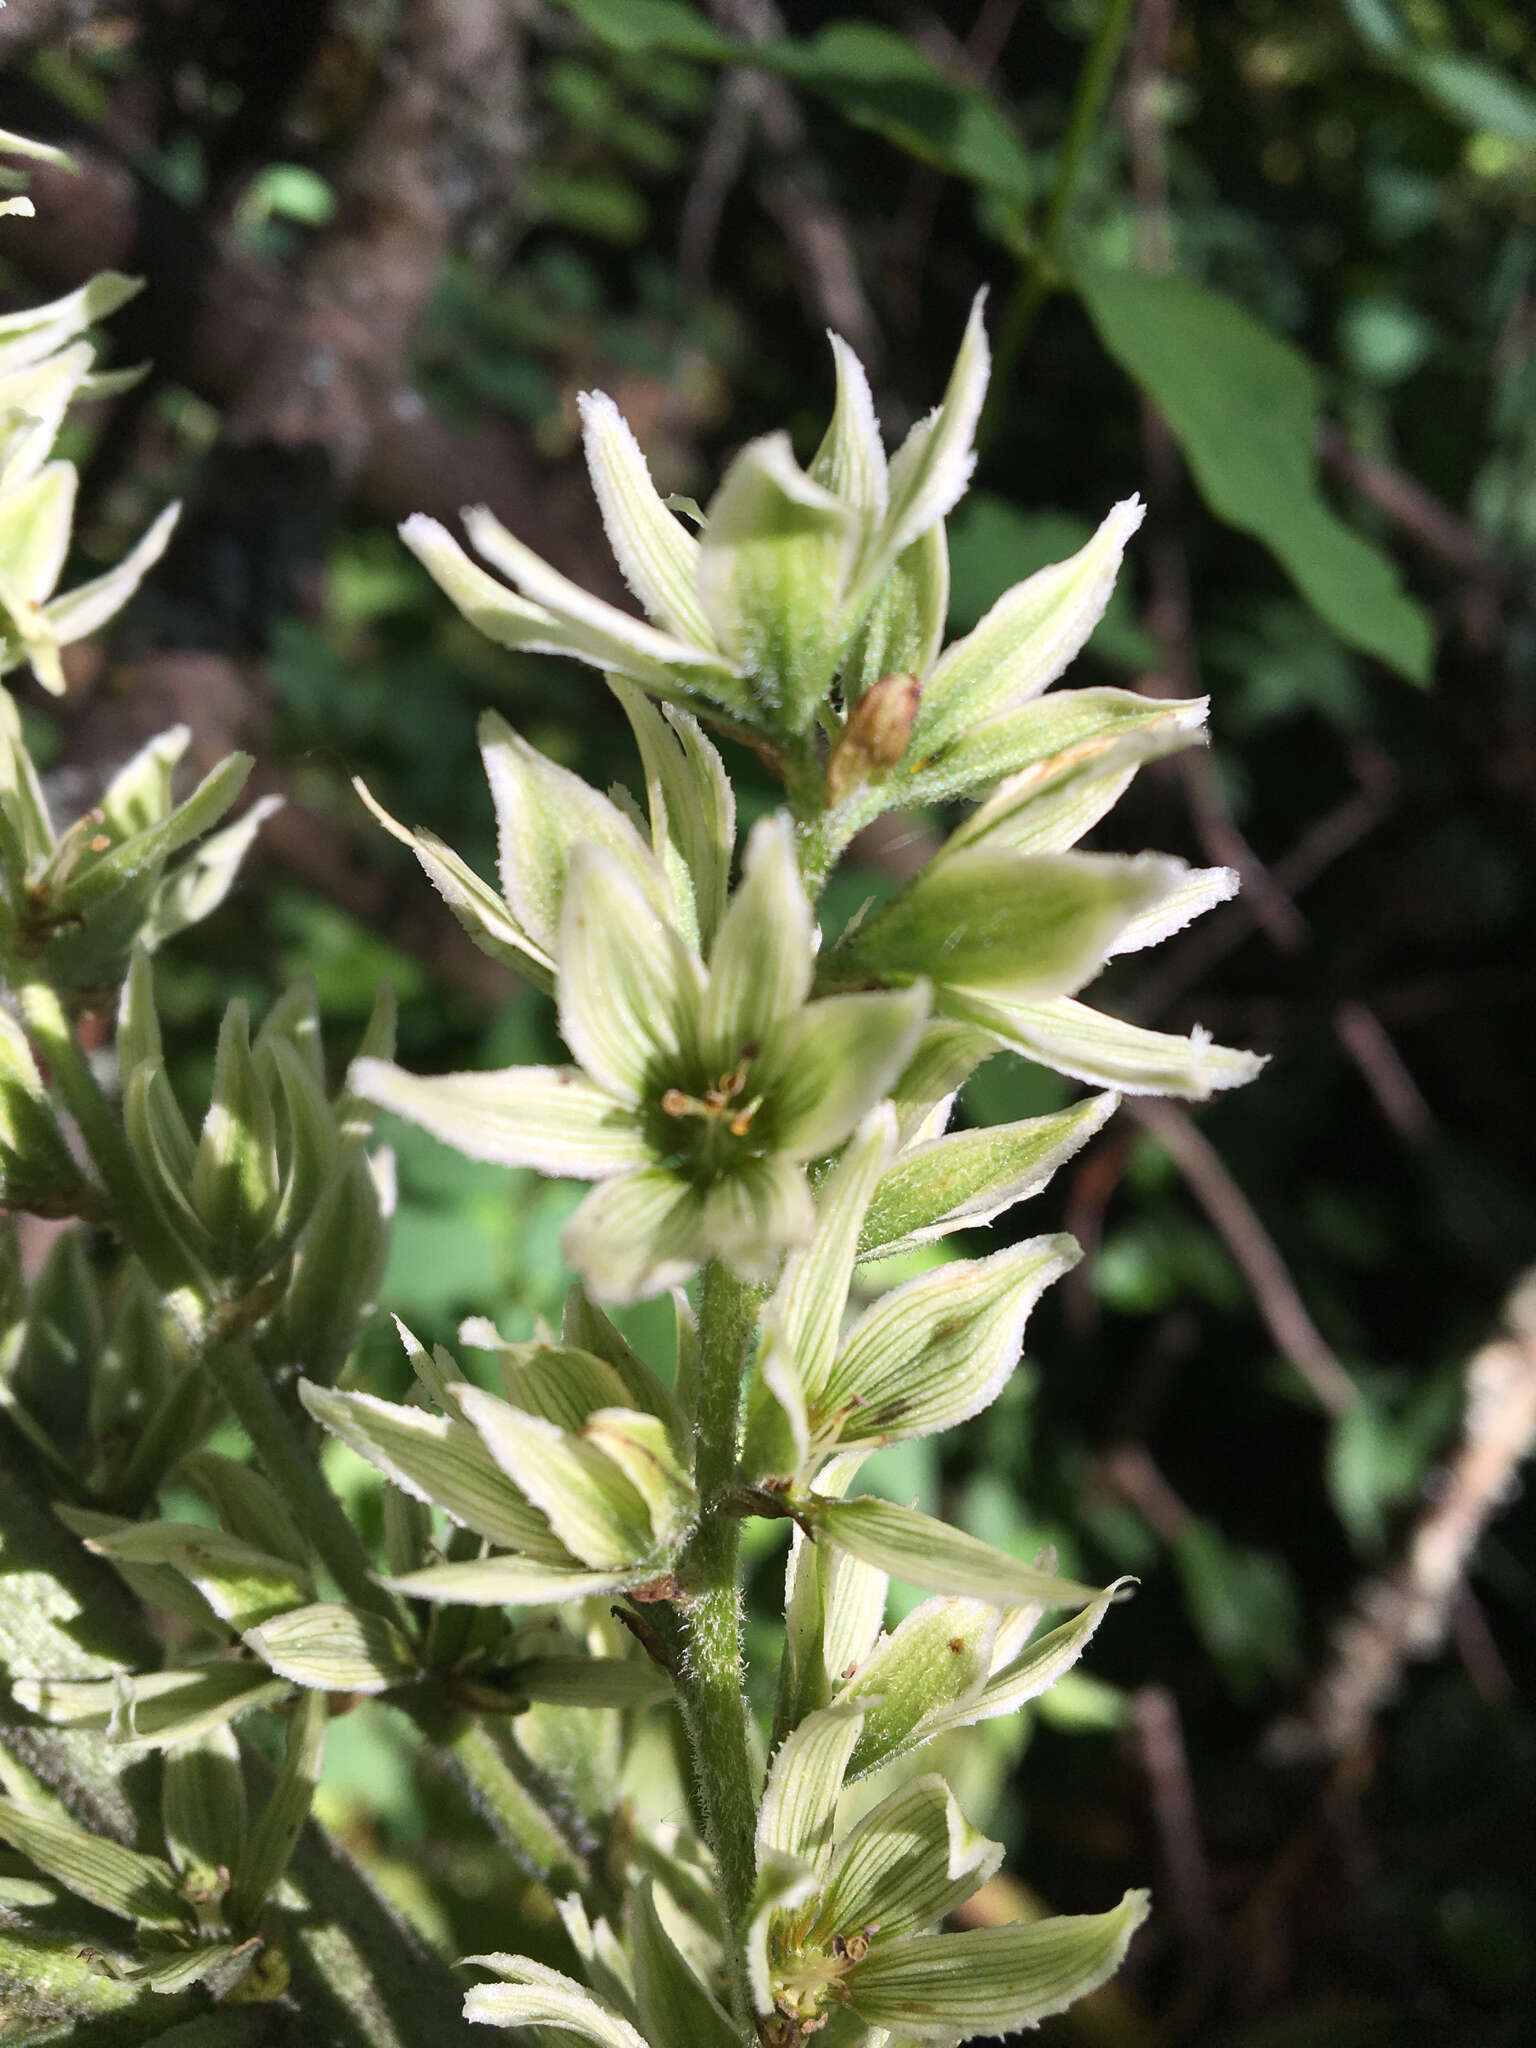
{"x":1382,"y":1068}
{"x":817,"y":235}
{"x":1135,"y":1474}
{"x":912,"y":230}
{"x":721,"y":156}
{"x":1160,"y":1744}
{"x":1195,"y":952}
{"x":1417,"y":512}
{"x":1038,"y":276}
{"x":1274,"y":1291}
{"x":1405,"y":1611}
{"x":1468,"y":1628}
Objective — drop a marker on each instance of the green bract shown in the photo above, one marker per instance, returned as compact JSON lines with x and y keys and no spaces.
{"x":73,"y":903}
{"x":701,"y":1092}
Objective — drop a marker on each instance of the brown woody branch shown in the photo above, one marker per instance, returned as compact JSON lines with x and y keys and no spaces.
{"x":1275,"y":1292}
{"x":1416,"y":512}
{"x":1406,"y":1611}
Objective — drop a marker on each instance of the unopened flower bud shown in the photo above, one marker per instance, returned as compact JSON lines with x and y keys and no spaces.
{"x":876,"y":735}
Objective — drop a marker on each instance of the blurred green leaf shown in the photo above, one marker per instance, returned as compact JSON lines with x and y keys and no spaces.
{"x":1486,"y":99}
{"x":879,"y":79}
{"x":603,"y":207}
{"x":1242,"y":405}
{"x":1243,"y":1604}
{"x":873,"y":76}
{"x":289,"y":191}
{"x":1383,"y":339}
{"x":1380,"y":1448}
{"x":1154,"y":1261}
{"x":638,"y":27}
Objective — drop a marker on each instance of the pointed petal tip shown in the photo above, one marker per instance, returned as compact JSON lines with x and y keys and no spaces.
{"x":370,"y":1074}
{"x":420,"y":528}
{"x":378,"y":813}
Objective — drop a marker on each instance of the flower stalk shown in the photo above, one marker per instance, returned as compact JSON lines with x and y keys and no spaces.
{"x":712,"y":1670}
{"x":758,"y":1102}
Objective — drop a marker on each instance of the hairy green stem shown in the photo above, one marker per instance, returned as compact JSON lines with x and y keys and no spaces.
{"x":711,"y":1697}
{"x":1039,"y":275}
{"x":503,"y":1792}
{"x":134,"y":1213}
{"x":817,"y":847}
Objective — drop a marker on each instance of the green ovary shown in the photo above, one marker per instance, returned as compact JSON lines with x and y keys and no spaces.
{"x":707,"y":1124}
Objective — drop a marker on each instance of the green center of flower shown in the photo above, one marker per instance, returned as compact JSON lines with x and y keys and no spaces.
{"x":808,"y":1976}
{"x":704,"y":1126}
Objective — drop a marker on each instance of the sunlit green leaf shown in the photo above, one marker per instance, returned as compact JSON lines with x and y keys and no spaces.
{"x":1242,"y":404}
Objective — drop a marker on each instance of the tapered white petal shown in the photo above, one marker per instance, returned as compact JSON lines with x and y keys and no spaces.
{"x":763,"y":958}
{"x":1028,"y":637}
{"x":35,"y":522}
{"x":991,"y":1980}
{"x":475,"y":904}
{"x":937,"y":1349}
{"x":638,"y":1236}
{"x":659,"y":558}
{"x":1092,"y":1046}
{"x":756,"y":1213}
{"x":774,"y":568}
{"x":930,"y":470}
{"x":833,"y":1062}
{"x":907,"y":1863}
{"x":1193,"y":893}
{"x":963,"y":1181}
{"x":851,"y":458}
{"x":545,"y":586}
{"x":551,"y":1118}
{"x":586,"y":628}
{"x":88,"y":606}
{"x":1031,"y":926}
{"x":627,"y":986}
{"x":543,"y":811}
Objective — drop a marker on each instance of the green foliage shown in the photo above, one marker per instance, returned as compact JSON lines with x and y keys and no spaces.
{"x":1243,"y":405}
{"x":804,"y":612}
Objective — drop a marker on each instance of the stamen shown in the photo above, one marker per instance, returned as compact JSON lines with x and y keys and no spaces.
{"x":741,"y":1122}
{"x":717,"y":1102}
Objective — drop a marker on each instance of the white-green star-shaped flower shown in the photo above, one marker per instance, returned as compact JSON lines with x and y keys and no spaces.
{"x":699,"y":1094}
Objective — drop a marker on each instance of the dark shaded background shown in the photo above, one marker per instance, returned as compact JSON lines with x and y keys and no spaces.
{"x":385,"y":245}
